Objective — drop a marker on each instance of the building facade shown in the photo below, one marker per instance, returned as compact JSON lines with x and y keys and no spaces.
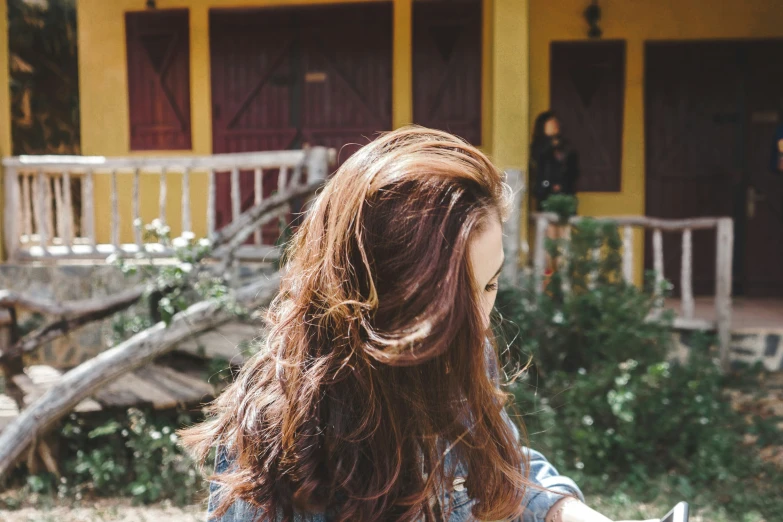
{"x":672,"y":109}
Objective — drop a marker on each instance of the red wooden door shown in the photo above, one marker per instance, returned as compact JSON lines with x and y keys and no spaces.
{"x":158,"y":56}
{"x":691,"y":155}
{"x":447,"y":66}
{"x":709,"y":127}
{"x":346,"y":74}
{"x":285,"y":77}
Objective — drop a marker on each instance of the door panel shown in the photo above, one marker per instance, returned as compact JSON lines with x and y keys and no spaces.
{"x":764,"y":232}
{"x":290,"y":76}
{"x":587,"y":92}
{"x":447,"y":66}
{"x":158,"y":56}
{"x":711,"y":111}
{"x":691,"y":154}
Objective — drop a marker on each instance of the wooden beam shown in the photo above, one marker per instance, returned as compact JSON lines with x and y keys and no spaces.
{"x":258,"y":194}
{"x":723,"y":283}
{"x":27,"y":213}
{"x":658,"y":261}
{"x":245,"y":160}
{"x":88,"y":209}
{"x":162,"y":197}
{"x":41,"y":220}
{"x":666,"y":225}
{"x":68,"y":210}
{"x":236,"y":196}
{"x":686,"y":275}
{"x":137,"y":224}
{"x":89,"y":377}
{"x":58,"y":208}
{"x":12,"y":210}
{"x":628,"y":254}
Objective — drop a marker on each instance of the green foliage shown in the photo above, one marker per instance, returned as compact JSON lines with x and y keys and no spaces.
{"x":561,"y":204}
{"x":173,"y":287}
{"x":133,"y":455}
{"x":600,"y":397}
{"x":126,"y":325}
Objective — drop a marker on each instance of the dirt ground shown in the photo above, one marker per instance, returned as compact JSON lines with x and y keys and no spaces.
{"x":119,"y":510}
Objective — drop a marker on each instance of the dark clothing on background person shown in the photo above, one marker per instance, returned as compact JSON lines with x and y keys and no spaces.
{"x":554,"y":169}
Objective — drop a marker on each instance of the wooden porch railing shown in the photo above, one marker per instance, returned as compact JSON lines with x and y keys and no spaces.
{"x":724,"y":227}
{"x":41,"y":218}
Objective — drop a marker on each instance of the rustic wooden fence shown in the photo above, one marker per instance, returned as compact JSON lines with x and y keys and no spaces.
{"x":42,"y":221}
{"x":724,"y":237}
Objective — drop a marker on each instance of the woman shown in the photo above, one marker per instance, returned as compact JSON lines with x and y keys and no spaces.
{"x":554,"y":166}
{"x":375,"y":396}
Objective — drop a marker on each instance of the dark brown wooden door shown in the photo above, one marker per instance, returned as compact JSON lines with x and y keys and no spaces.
{"x":703,"y":153}
{"x":286,"y":77}
{"x":447,"y":66}
{"x":764,"y":222}
{"x":587,"y":86}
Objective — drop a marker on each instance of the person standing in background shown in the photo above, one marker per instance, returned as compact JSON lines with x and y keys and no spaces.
{"x":554,"y":165}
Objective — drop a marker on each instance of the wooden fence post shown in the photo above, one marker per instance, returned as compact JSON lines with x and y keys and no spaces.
{"x":686,"y":274}
{"x":628,"y":254}
{"x":723,"y":275}
{"x":539,"y":254}
{"x":11,"y":212}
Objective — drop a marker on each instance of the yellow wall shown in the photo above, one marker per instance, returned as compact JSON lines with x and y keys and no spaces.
{"x":5,"y":107}
{"x":637,"y":21}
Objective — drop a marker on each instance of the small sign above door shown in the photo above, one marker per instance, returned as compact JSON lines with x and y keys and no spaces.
{"x":315,"y":77}
{"x":764,"y":117}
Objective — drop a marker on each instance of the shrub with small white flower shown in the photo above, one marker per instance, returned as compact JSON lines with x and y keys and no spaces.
{"x":134,"y":453}
{"x":602,"y":400}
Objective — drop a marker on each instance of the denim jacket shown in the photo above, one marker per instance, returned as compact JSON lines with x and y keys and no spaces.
{"x":455,"y":499}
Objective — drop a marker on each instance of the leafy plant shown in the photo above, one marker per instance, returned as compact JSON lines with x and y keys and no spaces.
{"x":135,"y":455}
{"x":602,"y":398}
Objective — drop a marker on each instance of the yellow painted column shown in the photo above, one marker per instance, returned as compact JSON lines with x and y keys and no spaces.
{"x":511,"y":89}
{"x":402,"y":64}
{"x":487,"y":35}
{"x":5,"y":108}
{"x":200,"y":82}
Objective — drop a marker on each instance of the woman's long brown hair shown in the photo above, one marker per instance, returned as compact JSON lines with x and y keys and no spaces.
{"x":375,"y":363}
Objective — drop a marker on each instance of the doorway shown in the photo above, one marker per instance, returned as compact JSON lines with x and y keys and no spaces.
{"x":290,"y":76}
{"x":711,"y":109}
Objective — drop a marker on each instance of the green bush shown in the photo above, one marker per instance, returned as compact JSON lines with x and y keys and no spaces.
{"x":600,"y":398}
{"x":135,"y":455}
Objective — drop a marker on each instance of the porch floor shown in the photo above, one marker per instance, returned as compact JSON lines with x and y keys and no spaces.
{"x":766,"y":313}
